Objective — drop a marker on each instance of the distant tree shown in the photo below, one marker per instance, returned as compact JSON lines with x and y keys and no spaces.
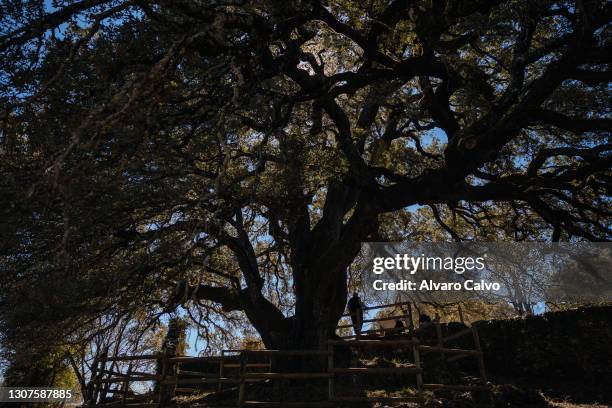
{"x":231,"y":156}
{"x":175,"y":339}
{"x":50,"y":371}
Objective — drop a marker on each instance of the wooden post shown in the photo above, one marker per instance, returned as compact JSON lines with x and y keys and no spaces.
{"x":126,"y":383}
{"x":481,"y":365}
{"x":99,"y":377}
{"x":418,"y":313}
{"x":330,"y":369}
{"x":438,"y":332}
{"x":92,"y":385}
{"x":410,"y":318}
{"x":417,"y":364}
{"x":177,"y":372}
{"x":220,"y":387}
{"x":439,"y":335}
{"x":460,"y":314}
{"x":162,"y":377}
{"x":242,"y":387}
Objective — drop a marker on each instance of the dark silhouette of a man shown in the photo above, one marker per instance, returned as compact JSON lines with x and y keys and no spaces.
{"x":355,"y":309}
{"x":424,"y":320}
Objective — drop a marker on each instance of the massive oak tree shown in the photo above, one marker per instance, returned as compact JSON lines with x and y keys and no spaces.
{"x":231,"y":156}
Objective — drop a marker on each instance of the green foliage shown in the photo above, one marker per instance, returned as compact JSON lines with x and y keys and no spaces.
{"x":227,"y":160}
{"x":51,"y":370}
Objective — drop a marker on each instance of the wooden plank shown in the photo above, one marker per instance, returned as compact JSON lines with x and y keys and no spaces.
{"x":286,"y":352}
{"x":142,"y":373}
{"x":187,"y":359}
{"x":115,"y":391}
{"x":380,"y":307}
{"x":164,"y":370}
{"x":187,"y":390}
{"x":126,"y":384}
{"x":460,"y":313}
{"x":187,"y":381}
{"x":456,"y":387}
{"x":457,"y":335}
{"x":287,"y":376}
{"x":221,"y":368}
{"x":199,"y":374}
{"x":481,"y":365}
{"x":122,"y":379}
{"x":176,"y":377}
{"x":232,"y":351}
{"x":129,"y":405}
{"x":377,"y":370}
{"x":412,"y":398}
{"x":109,"y":404}
{"x":132,"y":373}
{"x":283,"y":404}
{"x":119,"y":403}
{"x":140,"y":398}
{"x":458,"y":357}
{"x":133,"y":358}
{"x":410,"y":319}
{"x":438,"y":333}
{"x":380,"y":319}
{"x":446,"y":350}
{"x":91,"y":384}
{"x":417,"y":363}
{"x":242,"y":386}
{"x":113,"y":373}
{"x":376,"y":331}
{"x":371,"y":343}
{"x":98,"y":392}
{"x":250,"y":365}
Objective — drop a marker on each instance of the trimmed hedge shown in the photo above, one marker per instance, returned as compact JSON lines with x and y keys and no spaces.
{"x":567,"y":344}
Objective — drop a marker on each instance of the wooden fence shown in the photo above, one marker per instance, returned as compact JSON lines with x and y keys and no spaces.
{"x":171,"y":380}
{"x":273,"y":354}
{"x":112,"y":377}
{"x":407,"y":318}
{"x":106,"y":373}
{"x":412,"y":369}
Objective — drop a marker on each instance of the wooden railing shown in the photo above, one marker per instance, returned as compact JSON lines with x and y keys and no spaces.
{"x":388,"y":306}
{"x":239,"y":367}
{"x":223,"y":366}
{"x":173,"y":381}
{"x":274,"y":354}
{"x":415,"y":369}
{"x":405,"y":318}
{"x":103,"y":378}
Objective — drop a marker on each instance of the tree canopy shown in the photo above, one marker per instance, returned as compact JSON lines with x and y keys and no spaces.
{"x":231,"y":156}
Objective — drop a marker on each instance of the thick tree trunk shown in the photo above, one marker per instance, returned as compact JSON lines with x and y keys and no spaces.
{"x":312,"y":325}
{"x":320,"y":259}
{"x":319,"y":307}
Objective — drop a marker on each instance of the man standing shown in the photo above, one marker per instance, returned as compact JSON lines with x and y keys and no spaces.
{"x":356,"y":312}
